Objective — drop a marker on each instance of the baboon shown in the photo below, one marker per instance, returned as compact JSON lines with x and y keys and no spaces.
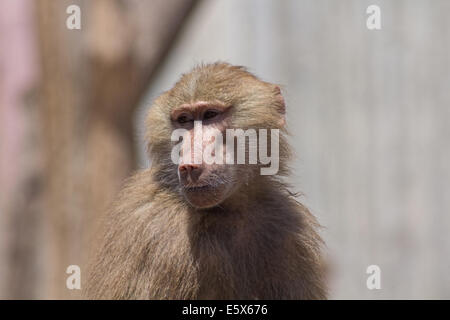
{"x":210,"y":231}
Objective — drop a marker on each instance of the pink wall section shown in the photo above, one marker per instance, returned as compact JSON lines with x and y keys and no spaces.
{"x":17,"y":74}
{"x":18,"y":70}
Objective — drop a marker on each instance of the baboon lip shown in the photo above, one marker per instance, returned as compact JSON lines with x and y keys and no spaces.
{"x":201,"y":188}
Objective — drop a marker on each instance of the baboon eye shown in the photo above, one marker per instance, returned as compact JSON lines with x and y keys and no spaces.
{"x":183,"y":119}
{"x":209,"y":114}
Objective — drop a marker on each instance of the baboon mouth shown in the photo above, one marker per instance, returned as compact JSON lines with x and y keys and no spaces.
{"x":203,"y":188}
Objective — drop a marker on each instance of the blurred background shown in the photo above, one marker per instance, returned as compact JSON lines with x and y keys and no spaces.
{"x":369,"y":113}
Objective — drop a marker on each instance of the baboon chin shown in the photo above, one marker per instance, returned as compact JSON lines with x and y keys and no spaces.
{"x":192,"y":228}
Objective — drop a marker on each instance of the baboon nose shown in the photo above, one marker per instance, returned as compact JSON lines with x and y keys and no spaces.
{"x":192,"y":171}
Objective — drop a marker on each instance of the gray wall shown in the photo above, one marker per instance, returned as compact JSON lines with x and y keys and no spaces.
{"x":369,"y":112}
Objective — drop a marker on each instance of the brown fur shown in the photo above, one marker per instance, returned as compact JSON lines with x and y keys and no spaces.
{"x":260,"y":243}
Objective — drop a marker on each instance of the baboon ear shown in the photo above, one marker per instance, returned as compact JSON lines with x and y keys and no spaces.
{"x":281,"y":106}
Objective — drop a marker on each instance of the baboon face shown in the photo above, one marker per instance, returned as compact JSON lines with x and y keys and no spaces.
{"x":205,"y":182}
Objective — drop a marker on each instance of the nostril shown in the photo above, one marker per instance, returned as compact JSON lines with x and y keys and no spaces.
{"x":187,"y":167}
{"x":192,"y":170}
{"x":195,"y":172}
